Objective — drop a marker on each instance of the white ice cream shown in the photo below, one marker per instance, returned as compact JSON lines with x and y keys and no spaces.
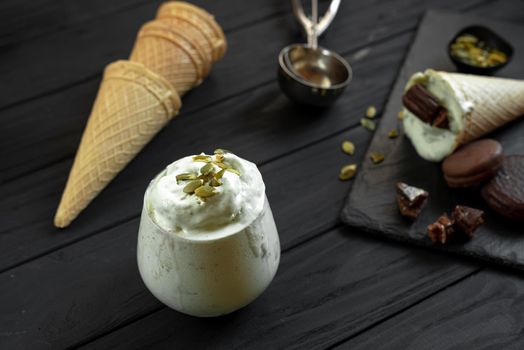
{"x":433,"y":143}
{"x":208,"y":257}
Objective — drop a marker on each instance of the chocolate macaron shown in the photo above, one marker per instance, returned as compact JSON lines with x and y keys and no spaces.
{"x":505,"y":192}
{"x":473,"y":163}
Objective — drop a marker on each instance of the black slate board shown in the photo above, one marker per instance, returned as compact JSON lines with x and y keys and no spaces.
{"x":371,"y":204}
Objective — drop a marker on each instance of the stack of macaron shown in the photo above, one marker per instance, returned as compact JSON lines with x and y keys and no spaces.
{"x":482,"y":164}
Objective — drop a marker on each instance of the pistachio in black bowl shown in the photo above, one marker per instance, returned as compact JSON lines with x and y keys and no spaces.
{"x":479,"y":50}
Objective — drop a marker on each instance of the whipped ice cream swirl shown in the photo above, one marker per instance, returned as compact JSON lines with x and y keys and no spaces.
{"x":238,"y":201}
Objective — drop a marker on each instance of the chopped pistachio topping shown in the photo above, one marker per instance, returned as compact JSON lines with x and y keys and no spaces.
{"x":226,"y":167}
{"x":215,"y":182}
{"x":376,"y":157}
{"x":400,"y":115}
{"x":221,"y":151}
{"x":193,"y":185}
{"x":205,"y":191}
{"x":371,"y":112}
{"x":219,"y":175}
{"x":203,"y":184}
{"x":221,"y":165}
{"x":368,"y":124}
{"x":347,"y":172}
{"x":234,"y":171}
{"x":348,"y":147}
{"x":202,"y":158}
{"x":207,"y":169}
{"x":393,"y":133}
{"x":186,"y":176}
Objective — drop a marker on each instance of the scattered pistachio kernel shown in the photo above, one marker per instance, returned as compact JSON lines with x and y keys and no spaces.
{"x":219,"y":157}
{"x":193,"y":185}
{"x":221,"y":165}
{"x":205,"y":191}
{"x":206,"y":169}
{"x":393,"y":133}
{"x":401,"y":114}
{"x":368,"y":124}
{"x":215,"y":182}
{"x":234,"y":171}
{"x":186,"y":176}
{"x":202,"y":158}
{"x":219,"y":175}
{"x":347,"y":172}
{"x":376,"y":157}
{"x":371,"y":112}
{"x":348,"y":147}
{"x":221,"y":151}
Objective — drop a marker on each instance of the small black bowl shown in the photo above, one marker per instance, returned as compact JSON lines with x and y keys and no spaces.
{"x":491,"y":39}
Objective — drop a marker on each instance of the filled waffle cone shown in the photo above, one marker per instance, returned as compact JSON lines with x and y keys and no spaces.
{"x":201,"y":19}
{"x":494,"y":102}
{"x":132,"y":105}
{"x":170,"y":54}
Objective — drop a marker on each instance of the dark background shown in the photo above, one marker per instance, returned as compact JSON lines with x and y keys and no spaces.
{"x":336,"y":286}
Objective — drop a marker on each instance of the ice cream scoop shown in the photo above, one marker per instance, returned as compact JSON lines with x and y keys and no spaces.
{"x":309,"y":74}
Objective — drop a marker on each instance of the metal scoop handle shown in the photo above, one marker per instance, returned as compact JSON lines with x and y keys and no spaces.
{"x":314,"y":28}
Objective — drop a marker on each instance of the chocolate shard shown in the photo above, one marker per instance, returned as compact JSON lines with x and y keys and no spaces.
{"x":419,"y":101}
{"x":467,"y":219}
{"x":411,"y":200}
{"x":443,"y":230}
{"x":441,"y":120}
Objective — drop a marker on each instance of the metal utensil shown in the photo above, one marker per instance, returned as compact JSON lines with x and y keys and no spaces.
{"x":309,"y":74}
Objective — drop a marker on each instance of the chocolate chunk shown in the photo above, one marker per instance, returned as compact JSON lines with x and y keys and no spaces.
{"x":411,"y":200}
{"x":441,"y":120}
{"x":425,"y":106}
{"x":467,"y":219}
{"x":443,"y":230}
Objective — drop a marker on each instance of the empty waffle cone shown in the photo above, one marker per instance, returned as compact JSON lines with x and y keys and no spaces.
{"x":494,"y":101}
{"x":201,"y":19}
{"x":132,"y":105}
{"x":171,"y":55}
{"x":194,"y":34}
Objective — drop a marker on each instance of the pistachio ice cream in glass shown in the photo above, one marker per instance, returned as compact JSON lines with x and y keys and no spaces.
{"x":207,"y":242}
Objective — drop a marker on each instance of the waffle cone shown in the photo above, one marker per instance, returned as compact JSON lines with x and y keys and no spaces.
{"x":199,"y":18}
{"x":495,"y":102}
{"x":194,"y":35}
{"x":171,"y":55}
{"x":132,"y":105}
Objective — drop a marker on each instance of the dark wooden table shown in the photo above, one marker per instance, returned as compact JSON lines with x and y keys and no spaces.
{"x":336,"y":287}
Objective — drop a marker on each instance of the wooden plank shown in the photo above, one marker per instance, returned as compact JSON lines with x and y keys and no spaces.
{"x":482,"y":312}
{"x":285,"y":178}
{"x":86,"y":289}
{"x":24,"y":20}
{"x":73,"y":56}
{"x":335,"y":285}
{"x":79,"y":53}
{"x":261,"y":125}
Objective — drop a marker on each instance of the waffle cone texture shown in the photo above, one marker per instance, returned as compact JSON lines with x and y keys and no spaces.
{"x":495,"y":102}
{"x":137,"y":98}
{"x":132,"y":105}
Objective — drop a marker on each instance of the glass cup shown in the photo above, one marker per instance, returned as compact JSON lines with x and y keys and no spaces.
{"x":208,"y":276}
